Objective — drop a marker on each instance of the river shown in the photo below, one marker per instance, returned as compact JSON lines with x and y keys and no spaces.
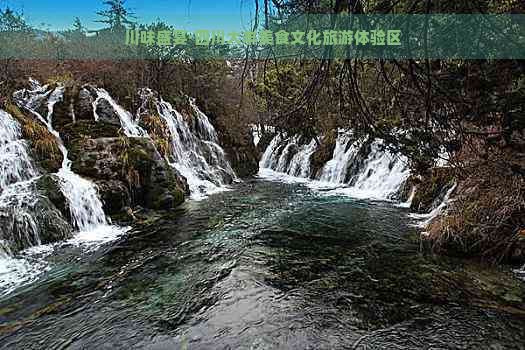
{"x":266,"y":265}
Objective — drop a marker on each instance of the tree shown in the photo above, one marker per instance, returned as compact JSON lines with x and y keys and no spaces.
{"x":117,"y":16}
{"x":78,"y":27}
{"x":11,"y":21}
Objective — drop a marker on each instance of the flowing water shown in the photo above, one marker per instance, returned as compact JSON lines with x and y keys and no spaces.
{"x":195,"y":150}
{"x":20,"y":200}
{"x":378,"y":174}
{"x":84,"y":203}
{"x":267,"y":265}
{"x":195,"y":153}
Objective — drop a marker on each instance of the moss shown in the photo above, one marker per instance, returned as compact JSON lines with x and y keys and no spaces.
{"x":43,"y":144}
{"x":157,"y":129}
{"x":88,"y":129}
{"x":176,"y":189}
{"x":324,"y":153}
{"x":431,"y":187}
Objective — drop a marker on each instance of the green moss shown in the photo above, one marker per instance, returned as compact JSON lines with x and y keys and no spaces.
{"x":430,"y":187}
{"x":43,"y":144}
{"x":88,"y":129}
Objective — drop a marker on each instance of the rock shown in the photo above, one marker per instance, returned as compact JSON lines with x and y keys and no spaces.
{"x":406,"y":190}
{"x":106,"y":113}
{"x":322,"y":155}
{"x":356,"y":164}
{"x":241,"y":153}
{"x":133,"y":164}
{"x":265,"y":141}
{"x":49,"y":186}
{"x":30,"y":219}
{"x":115,"y":196}
{"x":84,"y":104}
{"x":87,"y":129}
{"x":431,"y":189}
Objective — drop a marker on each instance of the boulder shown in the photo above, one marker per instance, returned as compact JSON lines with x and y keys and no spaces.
{"x":115,"y":196}
{"x":29,"y":218}
{"x":49,"y":186}
{"x":84,"y":104}
{"x":106,"y":113}
{"x":133,"y":164}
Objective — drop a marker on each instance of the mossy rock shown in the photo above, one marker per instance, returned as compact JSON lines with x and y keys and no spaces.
{"x":44,"y":146}
{"x":35,"y":220}
{"x":432,"y":189}
{"x":132,"y":165}
{"x":49,"y":186}
{"x":87,"y":129}
{"x":323,"y":154}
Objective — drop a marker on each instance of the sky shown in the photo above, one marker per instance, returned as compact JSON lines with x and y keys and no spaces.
{"x":183,"y":14}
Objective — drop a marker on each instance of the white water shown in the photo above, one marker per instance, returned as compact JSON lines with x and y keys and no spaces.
{"x":129,"y":124}
{"x":195,"y":150}
{"x":298,"y":165}
{"x":335,"y":169}
{"x":19,"y":195}
{"x":85,"y":207}
{"x":380,"y":176}
{"x":15,"y":163}
{"x":425,"y":219}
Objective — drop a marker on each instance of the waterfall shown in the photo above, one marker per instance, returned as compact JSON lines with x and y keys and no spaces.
{"x":382,"y":175}
{"x":84,"y":204}
{"x":195,"y":150}
{"x":268,"y":157}
{"x":335,"y":169}
{"x":300,"y":163}
{"x":376,"y":174}
{"x":15,"y":163}
{"x":129,"y":124}
{"x":288,"y":155}
{"x":426,"y":219}
{"x":17,"y":196}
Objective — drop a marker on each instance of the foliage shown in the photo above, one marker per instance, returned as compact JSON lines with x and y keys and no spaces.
{"x":117,"y":16}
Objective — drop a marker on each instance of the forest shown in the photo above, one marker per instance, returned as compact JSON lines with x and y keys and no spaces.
{"x":229,"y":196}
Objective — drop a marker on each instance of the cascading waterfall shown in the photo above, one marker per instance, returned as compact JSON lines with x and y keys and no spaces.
{"x":426,"y":219}
{"x":17,"y":196}
{"x":195,"y":150}
{"x":129,"y":124}
{"x":15,"y":163}
{"x":85,"y":207}
{"x":379,"y":176}
{"x":21,"y":206}
{"x":335,"y":169}
{"x":16,"y":183}
{"x":277,"y":156}
{"x":382,"y":174}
